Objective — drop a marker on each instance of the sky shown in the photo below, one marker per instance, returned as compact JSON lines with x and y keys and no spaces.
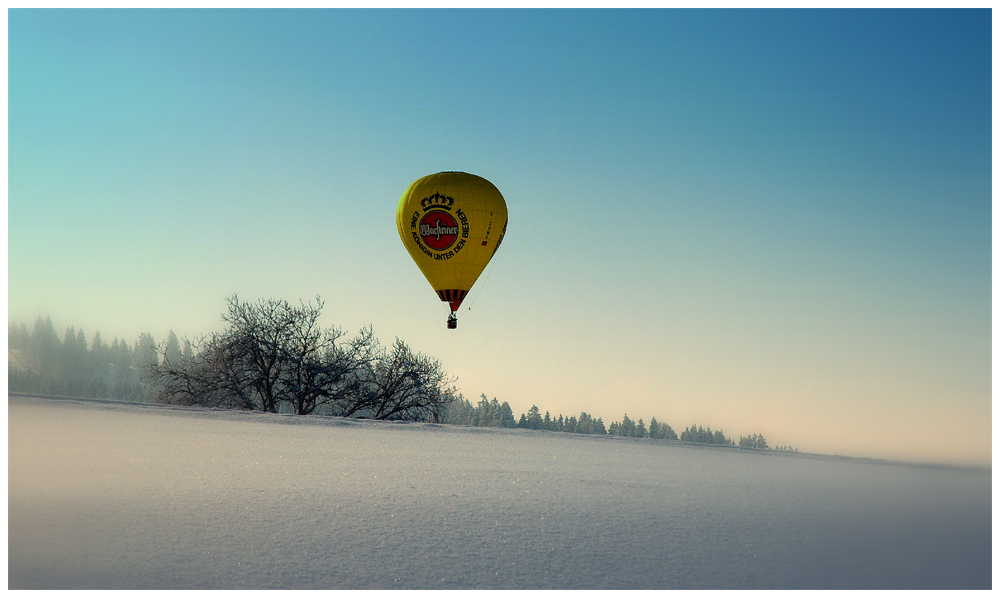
{"x":759,"y":221}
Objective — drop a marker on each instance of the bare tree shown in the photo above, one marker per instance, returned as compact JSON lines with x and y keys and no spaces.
{"x":401,"y":384}
{"x":319,"y":369}
{"x":259,"y":332}
{"x":214,"y":377}
{"x":272,"y":354}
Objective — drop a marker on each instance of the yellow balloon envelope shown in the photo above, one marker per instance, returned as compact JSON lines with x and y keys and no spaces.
{"x":451,"y":223}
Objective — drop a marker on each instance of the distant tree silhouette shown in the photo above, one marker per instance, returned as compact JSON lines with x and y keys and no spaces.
{"x":704,"y":436}
{"x":626,"y":427}
{"x":172,"y":348}
{"x":755,"y":441}
{"x":661,"y":431}
{"x":586,"y":424}
{"x":487,"y":413}
{"x":534,"y":419}
{"x":570,"y":425}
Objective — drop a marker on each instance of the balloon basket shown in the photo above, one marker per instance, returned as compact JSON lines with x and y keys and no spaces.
{"x":452,"y":321}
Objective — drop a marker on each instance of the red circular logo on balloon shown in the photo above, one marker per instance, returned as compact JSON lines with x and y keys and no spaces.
{"x":438,"y":230}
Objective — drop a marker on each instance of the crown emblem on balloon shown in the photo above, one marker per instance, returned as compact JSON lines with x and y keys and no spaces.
{"x":437,"y":201}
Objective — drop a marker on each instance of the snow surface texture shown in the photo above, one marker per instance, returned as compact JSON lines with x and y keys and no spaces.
{"x":110,"y":495}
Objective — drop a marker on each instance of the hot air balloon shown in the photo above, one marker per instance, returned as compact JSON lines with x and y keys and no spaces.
{"x":451,"y":223}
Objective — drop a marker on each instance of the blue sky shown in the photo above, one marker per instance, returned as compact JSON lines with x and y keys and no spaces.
{"x":761,"y":221}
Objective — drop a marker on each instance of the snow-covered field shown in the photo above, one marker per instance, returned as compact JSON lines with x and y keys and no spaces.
{"x":111,"y":495}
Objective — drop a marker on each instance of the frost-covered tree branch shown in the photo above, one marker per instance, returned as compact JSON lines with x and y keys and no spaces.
{"x":274,"y":356}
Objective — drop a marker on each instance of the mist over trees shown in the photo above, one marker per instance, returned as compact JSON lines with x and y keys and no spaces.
{"x":38,"y":362}
{"x":274,"y":357}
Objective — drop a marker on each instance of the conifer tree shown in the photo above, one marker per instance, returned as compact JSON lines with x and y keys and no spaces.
{"x":459,"y":412}
{"x":534,"y":420}
{"x":627,"y":428}
{"x":145,"y":355}
{"x":98,"y":355}
{"x":18,"y":337}
{"x":506,"y":416}
{"x":666,"y":432}
{"x":43,"y":345}
{"x":172,"y":350}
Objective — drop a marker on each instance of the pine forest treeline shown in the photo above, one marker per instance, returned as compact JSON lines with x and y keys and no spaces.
{"x":274,"y":357}
{"x":494,"y":414}
{"x":39,"y":362}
